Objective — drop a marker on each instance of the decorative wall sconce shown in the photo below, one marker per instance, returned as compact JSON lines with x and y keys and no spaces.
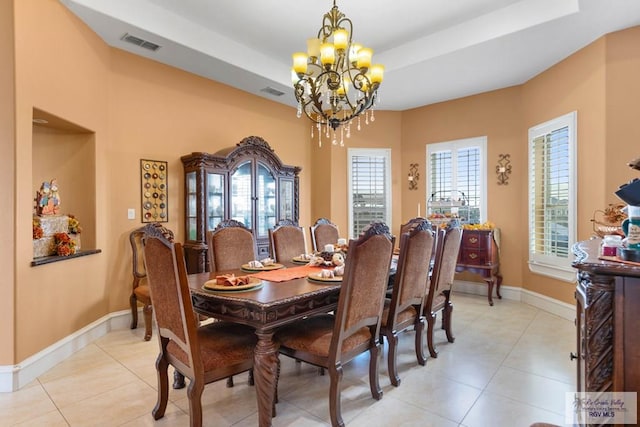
{"x":413,"y":176}
{"x":503,"y":169}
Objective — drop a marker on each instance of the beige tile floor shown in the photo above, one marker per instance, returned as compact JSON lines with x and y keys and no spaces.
{"x":509,"y":366}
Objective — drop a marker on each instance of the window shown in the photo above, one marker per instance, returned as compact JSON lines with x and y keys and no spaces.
{"x":552,"y":196}
{"x":370,"y":185}
{"x":457,"y":179}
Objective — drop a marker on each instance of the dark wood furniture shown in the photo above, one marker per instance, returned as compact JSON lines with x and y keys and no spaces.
{"x":247,"y":183}
{"x":607,"y":307}
{"x":479,"y":255}
{"x":403,"y":310}
{"x":203,"y":354}
{"x":286,"y":241}
{"x":323,"y":232}
{"x":331,"y":341}
{"x":265,"y":309}
{"x":439,"y":292}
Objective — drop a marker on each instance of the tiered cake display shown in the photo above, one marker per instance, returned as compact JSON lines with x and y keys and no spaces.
{"x":53,"y":233}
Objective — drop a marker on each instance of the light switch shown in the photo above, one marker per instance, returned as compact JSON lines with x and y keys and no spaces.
{"x":131,"y":213}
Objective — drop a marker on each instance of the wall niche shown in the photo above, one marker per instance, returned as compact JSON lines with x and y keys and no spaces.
{"x":66,"y":152}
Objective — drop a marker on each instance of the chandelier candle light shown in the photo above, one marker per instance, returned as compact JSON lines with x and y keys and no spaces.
{"x":334,"y":81}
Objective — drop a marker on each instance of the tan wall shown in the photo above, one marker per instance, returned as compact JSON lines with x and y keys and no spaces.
{"x":137,"y":109}
{"x":577,"y":83}
{"x":498,"y":116}
{"x":141,"y":109}
{"x":8,"y":179}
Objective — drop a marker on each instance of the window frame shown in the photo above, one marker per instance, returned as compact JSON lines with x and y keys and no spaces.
{"x":554,"y":266}
{"x":370,"y":152}
{"x":454,"y":145}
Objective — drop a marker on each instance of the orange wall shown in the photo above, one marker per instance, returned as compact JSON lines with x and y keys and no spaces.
{"x":141,"y":109}
{"x":8,"y":179}
{"x":498,"y":116}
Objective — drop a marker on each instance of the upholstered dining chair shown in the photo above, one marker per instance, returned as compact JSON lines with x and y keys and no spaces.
{"x":140,"y":288}
{"x":330,"y":341}
{"x":404,"y":309}
{"x":323,"y":232}
{"x":230,"y":245}
{"x":439,"y":293}
{"x":203,"y":354}
{"x":286,"y":240}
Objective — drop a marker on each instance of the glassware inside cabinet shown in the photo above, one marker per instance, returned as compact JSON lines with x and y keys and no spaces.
{"x":286,"y":199}
{"x":191,"y":208}
{"x":215,"y":200}
{"x":241,"y":206}
{"x":266,"y":211}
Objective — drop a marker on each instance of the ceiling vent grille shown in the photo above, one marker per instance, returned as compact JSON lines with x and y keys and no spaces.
{"x":140,"y":42}
{"x":272,"y":91}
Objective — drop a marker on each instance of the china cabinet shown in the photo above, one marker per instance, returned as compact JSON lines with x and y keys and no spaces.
{"x":247,"y":183}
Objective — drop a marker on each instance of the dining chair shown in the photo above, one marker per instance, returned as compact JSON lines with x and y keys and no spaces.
{"x":323,"y":232}
{"x":287,"y":241}
{"x":404,"y":309}
{"x":203,"y":354}
{"x":439,"y":293}
{"x":330,"y":341}
{"x":140,"y":288}
{"x":230,"y":245}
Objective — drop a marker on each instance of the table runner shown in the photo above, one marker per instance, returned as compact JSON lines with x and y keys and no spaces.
{"x":285,"y":274}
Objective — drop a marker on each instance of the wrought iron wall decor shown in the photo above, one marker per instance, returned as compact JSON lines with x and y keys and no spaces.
{"x":154,"y":191}
{"x":503,"y":169}
{"x":413,"y":177}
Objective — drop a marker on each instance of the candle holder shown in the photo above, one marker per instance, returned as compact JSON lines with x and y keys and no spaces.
{"x":503,"y":169}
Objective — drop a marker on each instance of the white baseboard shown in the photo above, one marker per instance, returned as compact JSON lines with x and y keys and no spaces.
{"x":553,"y":306}
{"x":13,"y":377}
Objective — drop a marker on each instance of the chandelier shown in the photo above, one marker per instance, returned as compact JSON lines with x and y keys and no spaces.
{"x":334,"y":81}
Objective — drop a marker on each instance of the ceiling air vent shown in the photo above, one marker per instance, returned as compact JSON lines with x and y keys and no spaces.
{"x":272,"y":91}
{"x":140,"y":42}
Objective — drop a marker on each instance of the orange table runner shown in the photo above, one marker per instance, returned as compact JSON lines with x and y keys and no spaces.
{"x":285,"y":274}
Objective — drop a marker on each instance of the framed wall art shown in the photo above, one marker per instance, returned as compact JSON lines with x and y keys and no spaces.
{"x":154,"y":194}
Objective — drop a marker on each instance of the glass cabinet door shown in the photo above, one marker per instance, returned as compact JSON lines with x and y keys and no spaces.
{"x":286,"y":199}
{"x":241,"y":203}
{"x":191,"y":208}
{"x":266,"y":193}
{"x":215,"y":199}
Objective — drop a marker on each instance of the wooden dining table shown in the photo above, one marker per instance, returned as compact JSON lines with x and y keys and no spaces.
{"x":273,"y":304}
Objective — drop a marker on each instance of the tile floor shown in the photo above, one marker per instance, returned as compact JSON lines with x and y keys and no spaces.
{"x":509,"y":366}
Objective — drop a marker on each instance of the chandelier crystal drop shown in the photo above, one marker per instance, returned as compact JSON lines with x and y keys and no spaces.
{"x":334,"y":82}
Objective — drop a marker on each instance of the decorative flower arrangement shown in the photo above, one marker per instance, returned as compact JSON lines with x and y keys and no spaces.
{"x":74,"y":225}
{"x":37,"y":229}
{"x":64,"y":245}
{"x":484,"y":226}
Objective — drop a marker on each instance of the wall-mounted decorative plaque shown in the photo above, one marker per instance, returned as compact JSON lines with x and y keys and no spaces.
{"x":154,"y":193}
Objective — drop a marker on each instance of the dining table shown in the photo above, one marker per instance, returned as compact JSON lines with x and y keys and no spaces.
{"x":280,"y":298}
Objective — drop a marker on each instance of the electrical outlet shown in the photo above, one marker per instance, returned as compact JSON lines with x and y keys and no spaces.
{"x":131,"y":213}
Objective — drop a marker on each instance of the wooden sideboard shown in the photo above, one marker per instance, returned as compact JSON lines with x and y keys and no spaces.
{"x":607,"y":307}
{"x":479,"y":254}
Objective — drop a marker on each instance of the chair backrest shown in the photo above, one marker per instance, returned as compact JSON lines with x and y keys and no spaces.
{"x":170,"y":296}
{"x":287,"y":241}
{"x":323,"y":232}
{"x":404,"y":228}
{"x":412,"y":274}
{"x":364,"y":285}
{"x":230,"y":245}
{"x":138,"y":269}
{"x":446,"y":259}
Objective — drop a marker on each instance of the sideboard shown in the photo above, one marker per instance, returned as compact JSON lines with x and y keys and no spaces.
{"x":607,"y":306}
{"x":479,"y":254}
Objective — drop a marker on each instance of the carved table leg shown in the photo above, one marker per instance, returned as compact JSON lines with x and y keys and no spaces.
{"x":265,"y":371}
{"x":498,"y":284}
{"x":178,"y":380}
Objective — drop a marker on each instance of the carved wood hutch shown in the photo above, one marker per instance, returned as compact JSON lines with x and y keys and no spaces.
{"x":608,"y":303}
{"x":479,"y":255}
{"x":247,"y":183}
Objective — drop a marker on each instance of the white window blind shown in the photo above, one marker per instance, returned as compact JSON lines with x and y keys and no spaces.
{"x":552,"y":200}
{"x":370,"y":188}
{"x":456,"y":184}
